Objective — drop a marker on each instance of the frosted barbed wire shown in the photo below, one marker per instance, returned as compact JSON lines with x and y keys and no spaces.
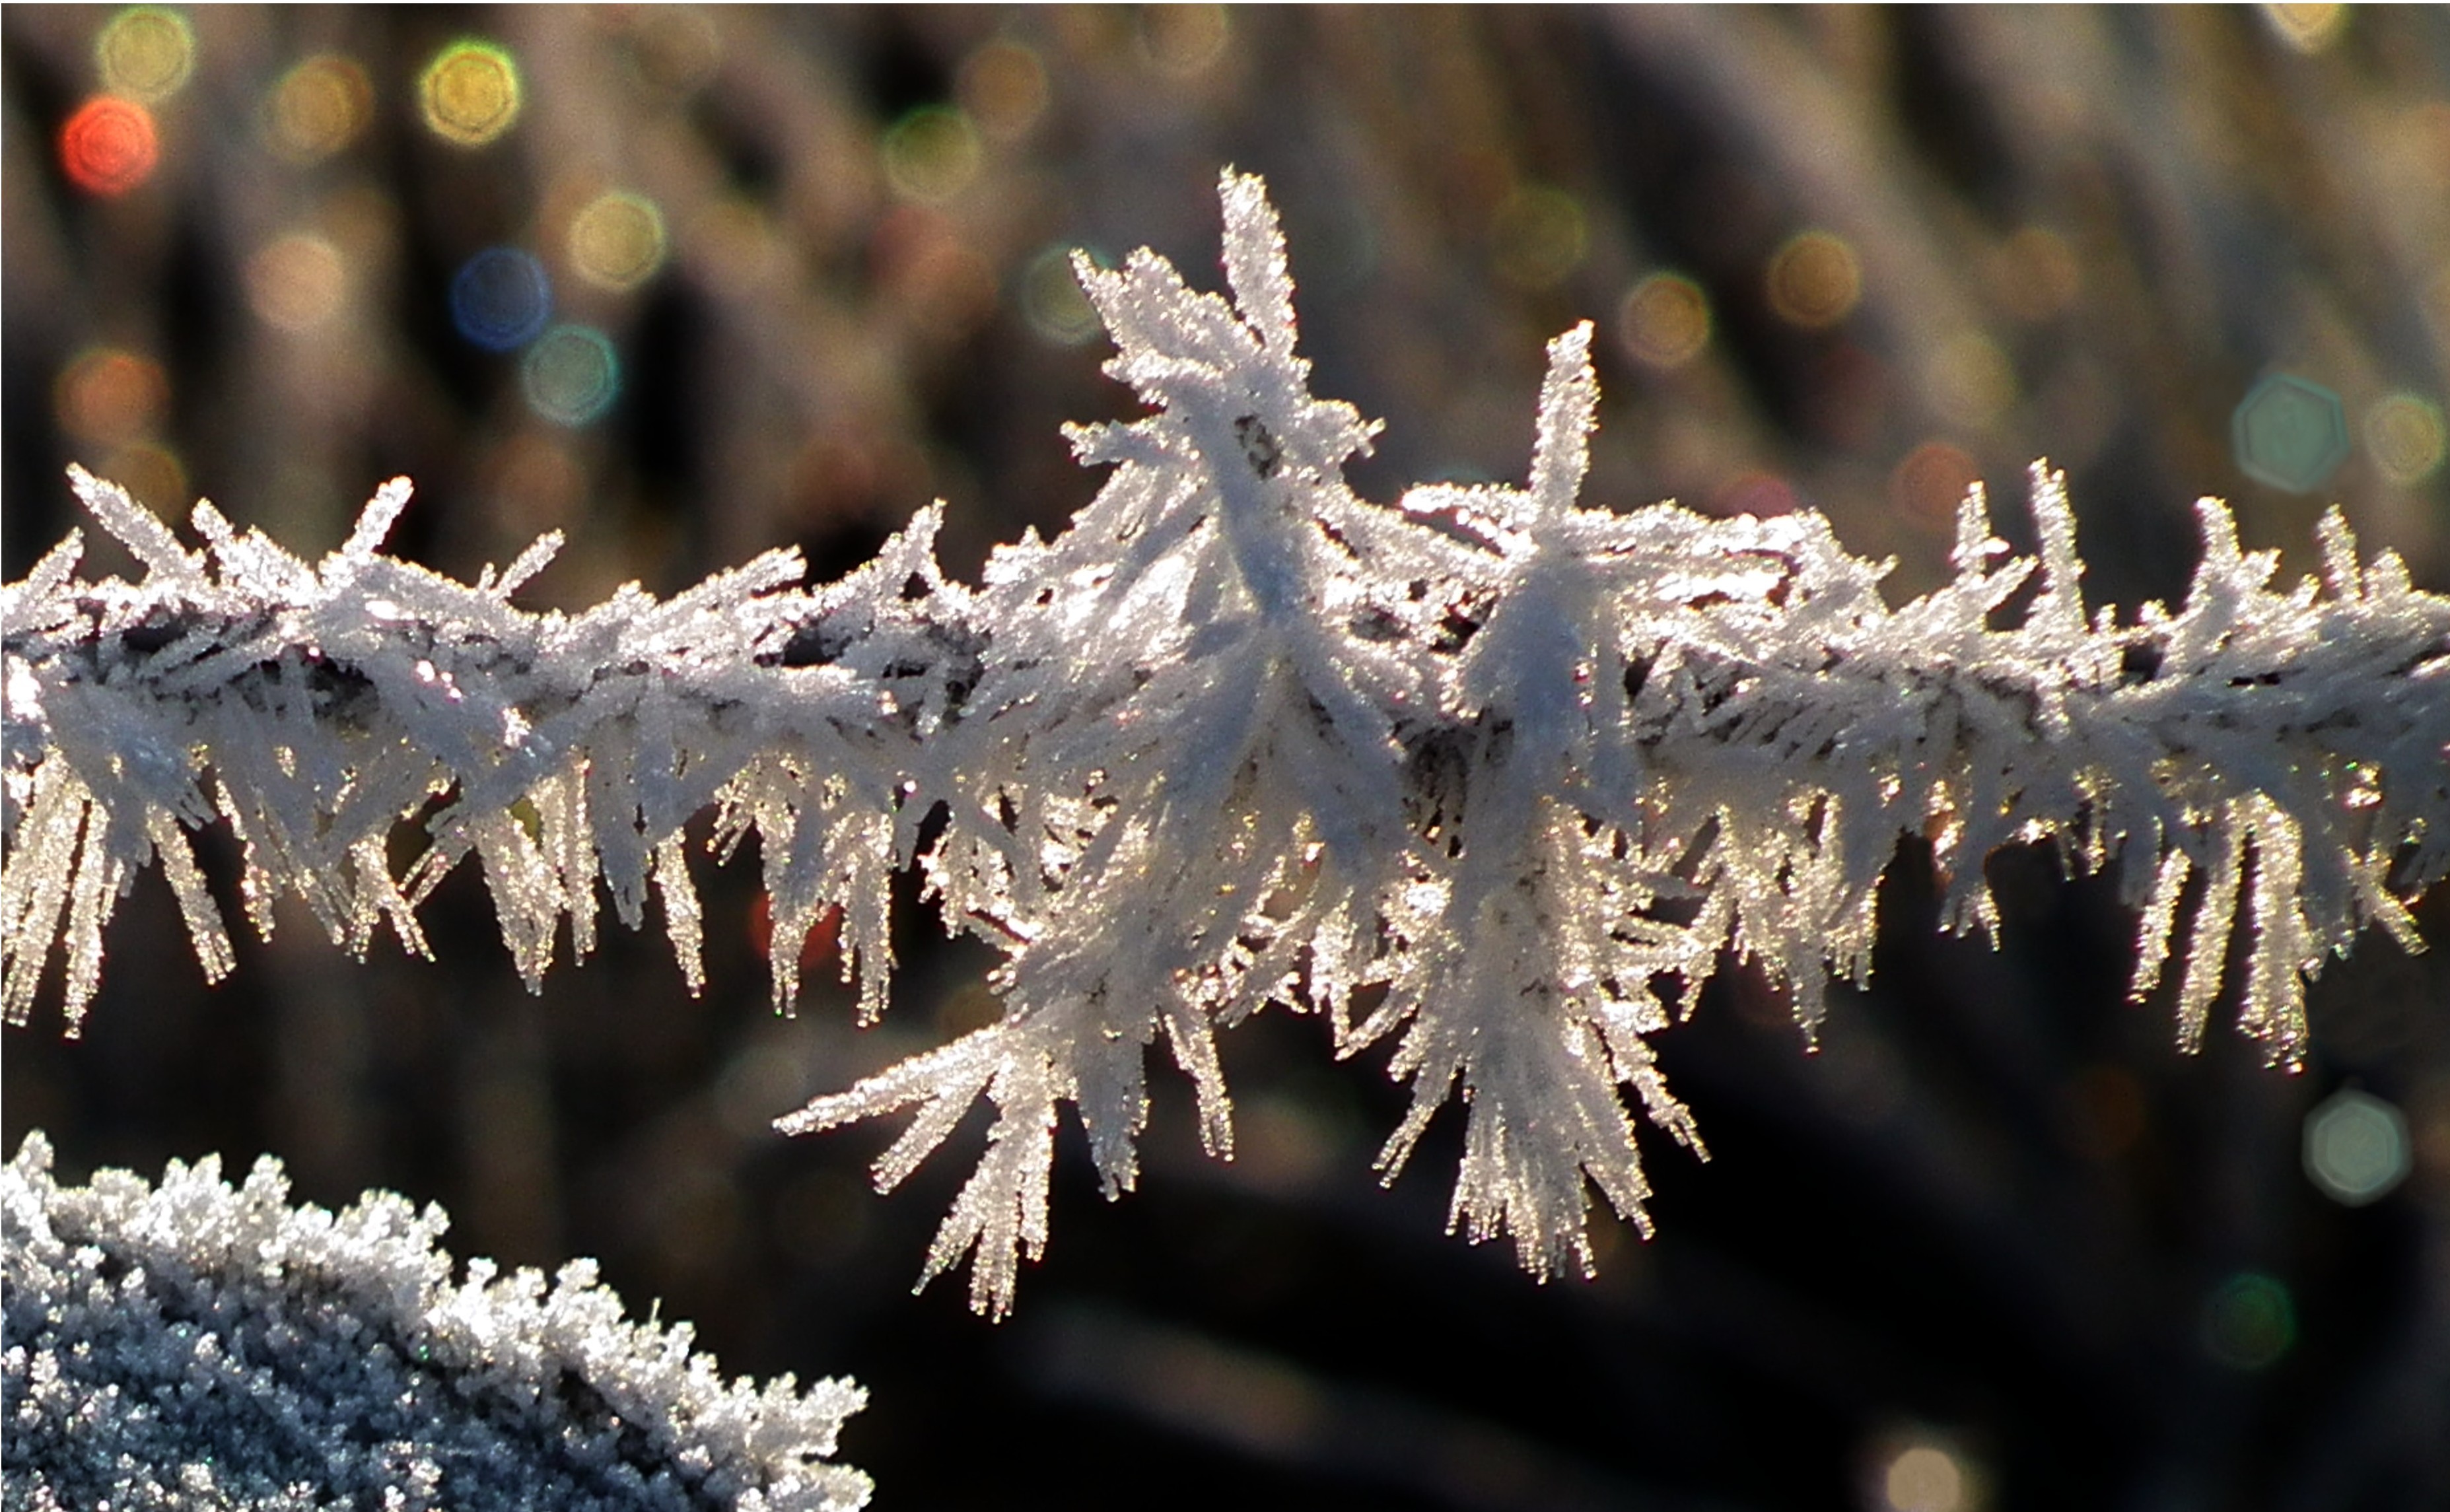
{"x":330,"y":703}
{"x":1523,"y":773}
{"x":192,"y":1344}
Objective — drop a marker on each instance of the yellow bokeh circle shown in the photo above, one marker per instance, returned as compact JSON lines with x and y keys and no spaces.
{"x":2408,"y":438}
{"x":147,"y":53}
{"x":318,"y":108}
{"x":617,"y":240}
{"x":1814,"y":279}
{"x":1665,"y":320}
{"x":470,"y":93}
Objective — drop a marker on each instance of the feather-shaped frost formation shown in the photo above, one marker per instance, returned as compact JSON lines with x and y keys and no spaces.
{"x":1497,"y":775}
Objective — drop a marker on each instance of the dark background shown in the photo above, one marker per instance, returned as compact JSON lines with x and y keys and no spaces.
{"x":1989,"y":1215}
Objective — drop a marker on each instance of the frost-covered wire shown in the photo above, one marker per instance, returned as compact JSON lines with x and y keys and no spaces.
{"x":1499,"y":775}
{"x":199,"y":1344}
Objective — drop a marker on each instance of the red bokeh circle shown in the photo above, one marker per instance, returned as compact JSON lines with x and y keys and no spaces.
{"x":109,"y":146}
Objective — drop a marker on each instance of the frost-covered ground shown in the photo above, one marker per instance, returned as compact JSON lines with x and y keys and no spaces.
{"x":196,"y":1345}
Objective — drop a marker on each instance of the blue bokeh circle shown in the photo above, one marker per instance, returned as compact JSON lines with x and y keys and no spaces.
{"x":500,"y":299}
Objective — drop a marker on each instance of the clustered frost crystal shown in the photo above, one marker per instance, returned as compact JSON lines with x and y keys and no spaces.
{"x":1494,"y":775}
{"x":196,"y":1345}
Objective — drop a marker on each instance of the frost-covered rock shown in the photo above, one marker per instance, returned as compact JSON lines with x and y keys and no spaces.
{"x":197,"y":1345}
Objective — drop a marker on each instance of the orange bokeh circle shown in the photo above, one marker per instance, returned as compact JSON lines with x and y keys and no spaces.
{"x":109,"y":146}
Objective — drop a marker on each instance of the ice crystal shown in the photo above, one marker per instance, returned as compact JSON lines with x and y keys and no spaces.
{"x":197,"y":1344}
{"x":1497,"y":774}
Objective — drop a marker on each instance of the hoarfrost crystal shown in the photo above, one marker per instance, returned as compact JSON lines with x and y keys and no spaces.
{"x":1498,"y":775}
{"x":193,"y":1344}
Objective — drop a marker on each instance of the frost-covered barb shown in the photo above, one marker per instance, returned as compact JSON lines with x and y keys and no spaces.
{"x":1497,"y":776}
{"x":198,"y":1345}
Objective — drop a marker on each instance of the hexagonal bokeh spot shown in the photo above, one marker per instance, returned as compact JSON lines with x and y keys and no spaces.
{"x":2291,"y":434}
{"x":2356,"y":1148}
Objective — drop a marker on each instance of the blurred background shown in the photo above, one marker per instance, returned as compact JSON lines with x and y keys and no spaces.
{"x":688,"y":282}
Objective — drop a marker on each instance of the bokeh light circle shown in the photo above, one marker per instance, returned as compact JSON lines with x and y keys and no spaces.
{"x":1666,"y":321}
{"x":152,"y":473}
{"x":297,"y":281}
{"x":110,"y":396}
{"x":2356,"y":1148}
{"x":1930,"y":482}
{"x":1003,"y":85}
{"x":319,"y":107}
{"x":109,"y":146}
{"x":1814,"y":279}
{"x":1923,"y":1478}
{"x":1051,"y":299}
{"x":571,"y":376}
{"x":2406,"y":437}
{"x":617,"y":240}
{"x":500,"y":299}
{"x":2036,"y":273}
{"x":931,"y":154}
{"x":1540,"y":235}
{"x":1181,"y":40}
{"x":2289,"y":432}
{"x":470,"y":93}
{"x":2249,"y":1321}
{"x":146,"y":53}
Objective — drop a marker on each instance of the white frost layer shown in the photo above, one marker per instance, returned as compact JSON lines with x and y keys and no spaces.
{"x":195,"y":1345}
